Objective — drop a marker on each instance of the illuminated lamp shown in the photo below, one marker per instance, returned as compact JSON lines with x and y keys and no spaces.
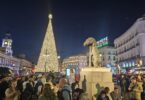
{"x":6,"y":43}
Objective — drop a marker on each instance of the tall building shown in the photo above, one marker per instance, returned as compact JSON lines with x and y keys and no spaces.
{"x":7,"y":44}
{"x":48,"y":60}
{"x":108,"y":56}
{"x":107,"y":52}
{"x":130,"y":46}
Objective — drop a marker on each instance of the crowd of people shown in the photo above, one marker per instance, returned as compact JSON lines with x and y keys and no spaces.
{"x":132,"y":87}
{"x":48,"y":87}
{"x":39,"y":87}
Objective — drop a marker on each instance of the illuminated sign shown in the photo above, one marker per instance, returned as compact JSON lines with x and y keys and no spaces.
{"x":103,"y":42}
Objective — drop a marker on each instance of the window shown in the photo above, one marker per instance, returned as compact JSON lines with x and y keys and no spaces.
{"x":109,"y":58}
{"x":109,"y":53}
{"x":114,"y":58}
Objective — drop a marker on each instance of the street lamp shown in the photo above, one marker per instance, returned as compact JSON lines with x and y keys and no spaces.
{"x":58,"y":57}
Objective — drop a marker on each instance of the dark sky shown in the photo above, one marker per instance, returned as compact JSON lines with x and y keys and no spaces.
{"x":73,"y":22}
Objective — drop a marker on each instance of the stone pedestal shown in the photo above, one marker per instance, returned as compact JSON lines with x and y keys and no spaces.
{"x":94,"y":79}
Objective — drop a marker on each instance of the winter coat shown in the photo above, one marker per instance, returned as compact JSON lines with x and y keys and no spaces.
{"x":65,"y":93}
{"x":136,"y":91}
{"x":42,"y":97}
{"x":12,"y":95}
{"x":115,"y":96}
{"x":84,"y":96}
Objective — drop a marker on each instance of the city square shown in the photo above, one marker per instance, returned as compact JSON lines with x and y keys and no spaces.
{"x":72,"y":50}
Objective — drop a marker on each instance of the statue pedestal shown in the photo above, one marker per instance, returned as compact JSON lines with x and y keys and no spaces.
{"x":94,"y":79}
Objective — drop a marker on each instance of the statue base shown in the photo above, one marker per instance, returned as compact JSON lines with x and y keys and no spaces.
{"x":93,"y":80}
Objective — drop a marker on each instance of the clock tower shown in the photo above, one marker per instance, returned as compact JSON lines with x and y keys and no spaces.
{"x":7,"y":44}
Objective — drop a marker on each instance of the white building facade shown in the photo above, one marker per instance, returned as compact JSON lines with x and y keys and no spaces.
{"x":130,"y":46}
{"x":108,"y":56}
{"x":9,"y":62}
{"x":73,"y":64}
{"x":15,"y":64}
{"x":78,"y":61}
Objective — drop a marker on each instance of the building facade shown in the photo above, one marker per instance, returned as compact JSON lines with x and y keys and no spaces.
{"x":79,"y":61}
{"x":108,"y":56}
{"x":130,"y":46}
{"x":10,"y":62}
{"x":73,"y":65}
{"x":26,"y":67}
{"x":17,"y":65}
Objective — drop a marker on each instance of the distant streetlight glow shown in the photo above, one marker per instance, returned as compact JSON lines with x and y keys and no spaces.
{"x":58,"y":57}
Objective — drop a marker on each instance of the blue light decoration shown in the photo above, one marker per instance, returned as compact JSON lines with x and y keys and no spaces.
{"x":108,"y":65}
{"x":130,"y":64}
{"x":103,"y":42}
{"x":67,"y":72}
{"x":133,"y":64}
{"x":126,"y":64}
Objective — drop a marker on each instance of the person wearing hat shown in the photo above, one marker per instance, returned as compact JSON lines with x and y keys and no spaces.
{"x":136,"y":89}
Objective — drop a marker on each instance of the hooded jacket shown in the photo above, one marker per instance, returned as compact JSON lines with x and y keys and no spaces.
{"x":65,"y":93}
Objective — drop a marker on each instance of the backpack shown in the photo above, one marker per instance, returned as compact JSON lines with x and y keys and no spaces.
{"x":60,"y":94}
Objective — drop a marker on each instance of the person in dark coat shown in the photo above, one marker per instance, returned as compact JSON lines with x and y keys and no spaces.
{"x":102,"y":96}
{"x":65,"y":90}
{"x":47,"y":93}
{"x":123,"y":85}
{"x":115,"y":94}
{"x":27,"y":93}
{"x":3,"y":86}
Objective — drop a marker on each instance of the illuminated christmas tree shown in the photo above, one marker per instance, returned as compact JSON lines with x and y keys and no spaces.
{"x":48,"y":60}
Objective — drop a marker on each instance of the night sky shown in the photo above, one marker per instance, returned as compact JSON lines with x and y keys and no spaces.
{"x":73,"y":22}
